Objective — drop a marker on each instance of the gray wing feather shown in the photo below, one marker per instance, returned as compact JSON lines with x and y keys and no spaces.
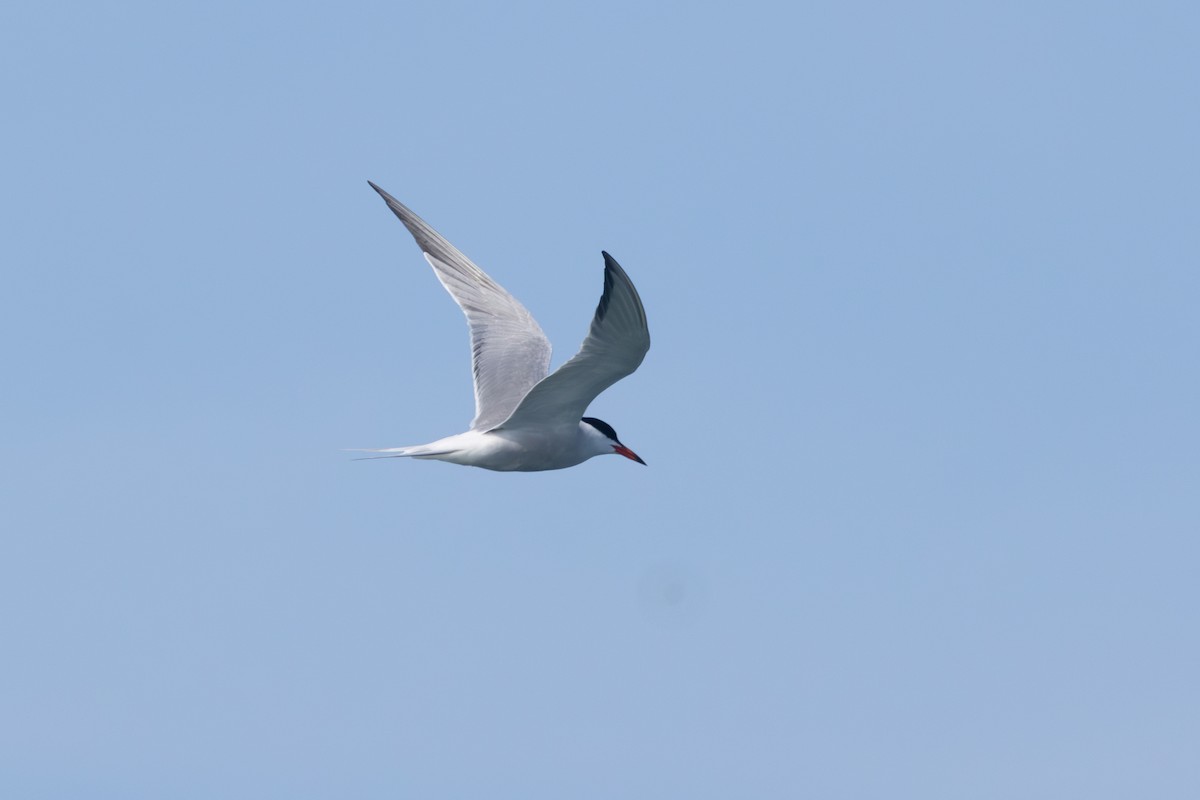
{"x":509,"y":352}
{"x":614,"y":347}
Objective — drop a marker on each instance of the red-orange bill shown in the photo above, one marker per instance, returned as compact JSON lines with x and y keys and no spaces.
{"x":625,"y":451}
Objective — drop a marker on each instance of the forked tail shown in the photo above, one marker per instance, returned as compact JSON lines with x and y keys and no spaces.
{"x":417,"y":451}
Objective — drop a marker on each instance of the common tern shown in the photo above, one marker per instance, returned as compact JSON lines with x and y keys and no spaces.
{"x":526,"y":419}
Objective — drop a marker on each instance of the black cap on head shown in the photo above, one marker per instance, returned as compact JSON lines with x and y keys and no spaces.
{"x":603,"y":427}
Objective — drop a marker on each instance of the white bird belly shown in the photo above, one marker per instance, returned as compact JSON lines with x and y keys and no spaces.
{"x":511,"y":451}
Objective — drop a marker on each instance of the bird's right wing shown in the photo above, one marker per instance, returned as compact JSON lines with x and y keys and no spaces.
{"x":509,"y":352}
{"x":614,"y":347}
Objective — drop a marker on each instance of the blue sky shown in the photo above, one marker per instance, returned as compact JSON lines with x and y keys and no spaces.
{"x":920,"y":417}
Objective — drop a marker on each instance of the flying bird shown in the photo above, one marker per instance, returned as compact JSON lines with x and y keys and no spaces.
{"x":526,"y":419}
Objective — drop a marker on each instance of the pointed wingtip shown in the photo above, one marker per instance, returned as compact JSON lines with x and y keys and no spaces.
{"x":398,"y":208}
{"x":611,"y":265}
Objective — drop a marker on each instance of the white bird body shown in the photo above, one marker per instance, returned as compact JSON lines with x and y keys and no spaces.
{"x":526,"y":420}
{"x":518,"y":450}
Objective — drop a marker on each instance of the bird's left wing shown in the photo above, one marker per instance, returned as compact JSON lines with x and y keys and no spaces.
{"x":614,"y":347}
{"x":509,"y":352}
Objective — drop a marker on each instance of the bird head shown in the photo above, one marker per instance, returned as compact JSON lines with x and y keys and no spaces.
{"x":606,"y":439}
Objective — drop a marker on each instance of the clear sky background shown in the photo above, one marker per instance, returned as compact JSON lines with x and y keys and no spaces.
{"x":920,"y":517}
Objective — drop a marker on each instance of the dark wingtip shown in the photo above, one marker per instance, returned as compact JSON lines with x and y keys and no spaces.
{"x":395,"y":205}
